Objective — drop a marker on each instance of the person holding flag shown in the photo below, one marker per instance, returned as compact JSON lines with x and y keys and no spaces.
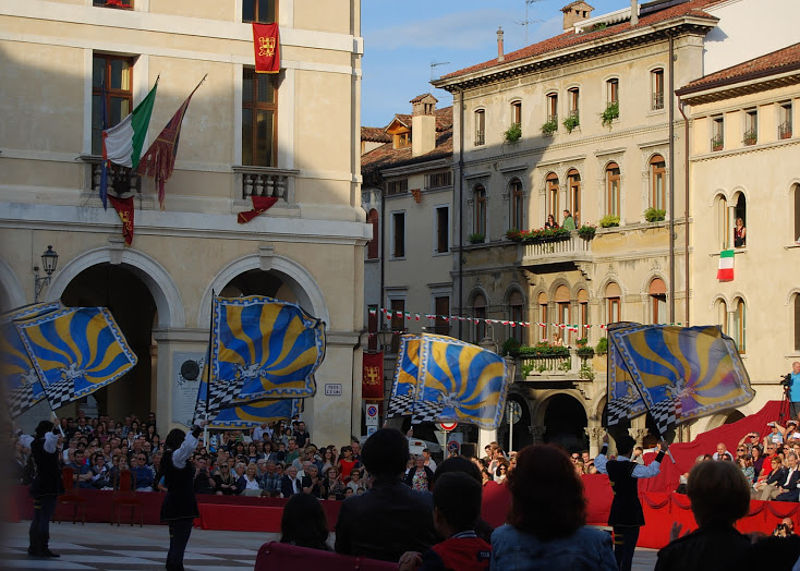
{"x":626,"y":515}
{"x":46,"y":487}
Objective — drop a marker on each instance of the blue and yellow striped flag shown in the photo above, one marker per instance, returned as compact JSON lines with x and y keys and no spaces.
{"x":623,"y":399}
{"x":75,"y":351}
{"x":404,"y":385}
{"x":21,"y":386}
{"x":263,"y":348}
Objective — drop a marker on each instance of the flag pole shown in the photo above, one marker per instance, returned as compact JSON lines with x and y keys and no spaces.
{"x":208,"y":355}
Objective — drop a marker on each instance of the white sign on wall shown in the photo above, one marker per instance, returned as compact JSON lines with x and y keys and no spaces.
{"x":333,"y":389}
{"x":184,"y":388}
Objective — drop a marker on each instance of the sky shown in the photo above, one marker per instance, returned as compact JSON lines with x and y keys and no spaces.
{"x":402,"y":38}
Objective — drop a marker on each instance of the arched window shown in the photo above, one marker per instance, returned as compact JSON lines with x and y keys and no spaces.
{"x":613,"y":189}
{"x":479,"y":313}
{"x":612,"y":91}
{"x":583,"y":314}
{"x":516,"y":198}
{"x":723,"y":224}
{"x":574,"y":182}
{"x":740,"y":213}
{"x":796,"y":194}
{"x":658,"y":188}
{"x":658,"y":301}
{"x":542,"y":302}
{"x":563,"y":316}
{"x":657,"y":89}
{"x":552,"y":195}
{"x":516,"y":112}
{"x":613,"y":302}
{"x":721,"y":312}
{"x":479,"y":202}
{"x":515,"y":313}
{"x":797,"y":322}
{"x":480,"y":127}
{"x":373,"y":245}
{"x":739,"y":325}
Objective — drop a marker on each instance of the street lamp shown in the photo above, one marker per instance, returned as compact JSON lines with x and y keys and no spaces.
{"x":49,"y":264}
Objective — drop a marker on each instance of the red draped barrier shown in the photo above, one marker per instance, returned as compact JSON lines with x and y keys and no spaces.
{"x":276,"y":555}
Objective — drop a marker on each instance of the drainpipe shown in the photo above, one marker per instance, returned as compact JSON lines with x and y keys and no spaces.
{"x":686,"y":206}
{"x":671,"y":119}
{"x":460,"y":211}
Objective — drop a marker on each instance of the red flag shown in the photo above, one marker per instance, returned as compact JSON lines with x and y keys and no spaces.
{"x":372,"y":376}
{"x":260,"y":205}
{"x":159,"y":160}
{"x":266,"y":45}
{"x":124,"y":208}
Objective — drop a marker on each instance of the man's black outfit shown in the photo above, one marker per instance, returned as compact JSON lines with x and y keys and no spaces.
{"x":180,"y":505}
{"x":45,"y":488}
{"x":712,"y":547}
{"x":385,"y":522}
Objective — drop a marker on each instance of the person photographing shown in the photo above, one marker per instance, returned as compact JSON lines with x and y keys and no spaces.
{"x":791,"y":386}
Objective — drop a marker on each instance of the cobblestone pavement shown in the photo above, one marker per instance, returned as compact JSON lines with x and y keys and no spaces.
{"x":97,"y":546}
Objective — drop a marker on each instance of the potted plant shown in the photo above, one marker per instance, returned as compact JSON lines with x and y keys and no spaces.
{"x":602,"y":346}
{"x":609,"y":221}
{"x":476,"y":238}
{"x":571,"y":122}
{"x":510,"y":347}
{"x":585,"y":352}
{"x":587,"y":231}
{"x":514,"y":235}
{"x":750,"y":137}
{"x":717,"y":143}
{"x":513,"y":133}
{"x":655,"y":214}
{"x":550,"y":127}
{"x":611,"y":112}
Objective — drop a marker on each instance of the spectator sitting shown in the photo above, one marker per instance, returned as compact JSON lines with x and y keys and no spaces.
{"x":143,"y":474}
{"x":83,"y":473}
{"x":304,"y":523}
{"x":775,"y":436}
{"x":429,"y":462}
{"x":746,"y":466}
{"x":204,"y":483}
{"x":356,"y":483}
{"x":271,"y":480}
{"x":346,"y":462}
{"x":544,"y":482}
{"x":787,"y":490}
{"x":719,"y":495}
{"x":390,"y":518}
{"x":420,"y":477}
{"x":769,"y":481}
{"x":292,"y":452}
{"x":722,"y":450}
{"x":333,"y":486}
{"x":248,"y":484}
{"x":456,"y":510}
{"x":99,"y":472}
{"x":301,"y":435}
{"x":291,"y":484}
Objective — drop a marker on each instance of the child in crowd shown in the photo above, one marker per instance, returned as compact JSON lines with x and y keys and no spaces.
{"x":456,"y":509}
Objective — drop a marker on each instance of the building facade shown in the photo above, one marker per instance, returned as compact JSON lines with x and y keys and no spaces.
{"x":67,"y":63}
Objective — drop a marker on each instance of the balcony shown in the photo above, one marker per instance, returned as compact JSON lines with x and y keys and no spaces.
{"x":570,"y":250}
{"x":265,"y":181}
{"x":785,"y":130}
{"x":121,"y":180}
{"x":658,"y":101}
{"x":569,"y":366}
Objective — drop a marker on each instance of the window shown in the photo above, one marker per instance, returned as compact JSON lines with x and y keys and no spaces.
{"x":516,"y":112}
{"x":613,"y":297}
{"x":374,"y":244}
{"x":397,"y":186}
{"x":574,"y":101}
{"x":515,"y":310}
{"x":259,"y":119}
{"x":723,"y":222}
{"x":785,"y":120}
{"x":401,"y":139}
{"x":658,"y":301}
{"x":399,"y":234}
{"x":372,"y":326}
{"x":739,"y":325}
{"x":398,"y":322}
{"x":121,"y":4}
{"x":796,"y":194}
{"x":479,"y":314}
{"x":442,"y":310}
{"x":111,"y":87}
{"x":517,"y":198}
{"x":563,"y":316}
{"x":658,"y":193}
{"x":263,"y":11}
{"x":750,"y":127}
{"x":721,"y":309}
{"x":574,"y":183}
{"x":797,"y":322}
{"x":657,"y":89}
{"x":583,"y":314}
{"x":543,"y":325}
{"x":552,"y":107}
{"x":717,"y":133}
{"x":552,"y":194}
{"x":740,"y":213}
{"x":479,"y":224}
{"x":439,"y":179}
{"x":480,"y":127}
{"x":442,"y":229}
{"x":612,"y":189}
{"x":612,"y":91}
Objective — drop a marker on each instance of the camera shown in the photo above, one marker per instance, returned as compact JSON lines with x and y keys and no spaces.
{"x":786,"y":381}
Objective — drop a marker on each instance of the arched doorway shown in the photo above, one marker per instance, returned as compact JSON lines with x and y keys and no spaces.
{"x":733,"y":416}
{"x":565,"y":422}
{"x":259,"y":282}
{"x":134,"y":309}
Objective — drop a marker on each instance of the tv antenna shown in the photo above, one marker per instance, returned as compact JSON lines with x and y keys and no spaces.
{"x":527,"y":21}
{"x":434,"y":65}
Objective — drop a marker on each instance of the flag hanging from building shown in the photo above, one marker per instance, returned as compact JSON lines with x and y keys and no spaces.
{"x":21,"y":386}
{"x":266,"y":44}
{"x":125,"y":211}
{"x":159,"y":160}
{"x":622,"y":396}
{"x":245,"y":415}
{"x":372,"y":376}
{"x":75,"y":351}
{"x":725,"y":271}
{"x":260,"y":205}
{"x":122,"y":143}
{"x":406,"y":373}
{"x":262,"y":348}
{"x":683,"y":373}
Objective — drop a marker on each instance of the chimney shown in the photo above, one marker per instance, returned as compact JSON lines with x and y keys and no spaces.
{"x":423,"y":124}
{"x":500,"y":55}
{"x":634,"y":12}
{"x":575,"y":12}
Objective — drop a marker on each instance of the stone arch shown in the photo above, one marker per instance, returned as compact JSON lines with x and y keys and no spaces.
{"x":158,"y":280}
{"x":305,"y":287}
{"x":12,"y":295}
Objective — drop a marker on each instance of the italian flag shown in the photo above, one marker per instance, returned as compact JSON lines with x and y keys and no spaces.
{"x":122,"y":143}
{"x":725,"y":271}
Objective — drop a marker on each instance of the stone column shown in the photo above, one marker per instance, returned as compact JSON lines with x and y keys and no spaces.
{"x":537,"y":431}
{"x":638,"y":434}
{"x":595,"y":434}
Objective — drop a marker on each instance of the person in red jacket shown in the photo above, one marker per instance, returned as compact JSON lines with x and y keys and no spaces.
{"x":456,"y":509}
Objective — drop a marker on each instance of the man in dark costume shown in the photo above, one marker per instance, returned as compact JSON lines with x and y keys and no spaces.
{"x":180,"y":505}
{"x":626,"y":515}
{"x":45,"y":488}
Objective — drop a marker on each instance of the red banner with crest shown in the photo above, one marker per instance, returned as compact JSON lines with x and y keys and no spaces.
{"x":266,"y":44}
{"x":125,"y":210}
{"x":372,"y":376}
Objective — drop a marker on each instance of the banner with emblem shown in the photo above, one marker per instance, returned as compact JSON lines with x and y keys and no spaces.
{"x":75,"y":351}
{"x":20,"y":382}
{"x":125,"y":210}
{"x":372,"y":376}
{"x":266,"y":43}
